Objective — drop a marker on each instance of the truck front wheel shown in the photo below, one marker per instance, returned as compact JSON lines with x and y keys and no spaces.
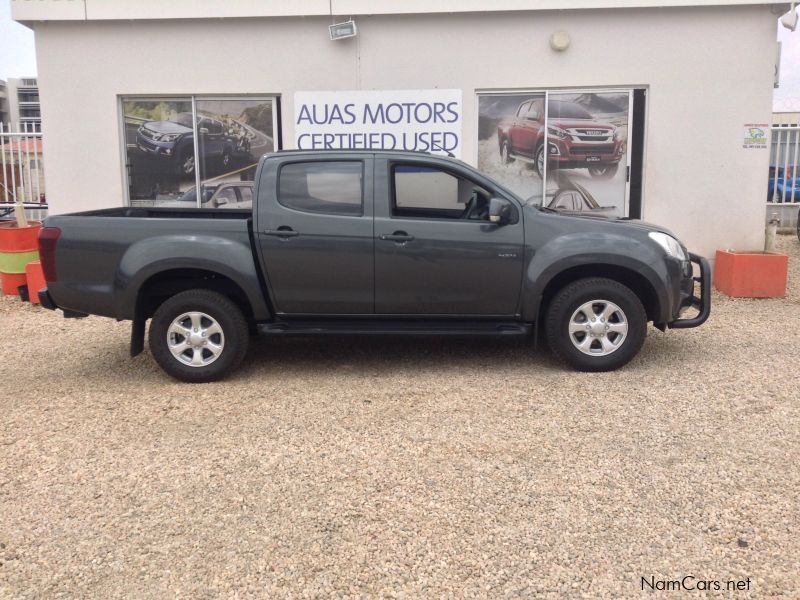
{"x":596,"y":324}
{"x":604,"y":172}
{"x":198,"y":336}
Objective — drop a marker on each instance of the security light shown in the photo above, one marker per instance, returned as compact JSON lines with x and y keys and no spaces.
{"x":341,"y":31}
{"x":789,"y":20}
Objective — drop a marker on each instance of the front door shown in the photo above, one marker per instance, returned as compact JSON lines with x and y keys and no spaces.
{"x":315,"y":238}
{"x":436,"y":253}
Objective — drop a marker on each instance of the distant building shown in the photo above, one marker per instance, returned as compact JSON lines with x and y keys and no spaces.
{"x":4,"y":116}
{"x":783,"y":119}
{"x":24,"y":111}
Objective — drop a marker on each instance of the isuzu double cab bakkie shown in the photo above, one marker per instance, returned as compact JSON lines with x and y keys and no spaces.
{"x":370,"y":242}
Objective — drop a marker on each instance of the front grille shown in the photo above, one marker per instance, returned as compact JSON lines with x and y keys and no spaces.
{"x":144,"y":132}
{"x":594,"y":138}
{"x":593,"y":132}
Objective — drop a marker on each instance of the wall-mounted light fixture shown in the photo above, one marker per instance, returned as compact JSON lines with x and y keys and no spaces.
{"x":559,"y":41}
{"x":342,"y":31}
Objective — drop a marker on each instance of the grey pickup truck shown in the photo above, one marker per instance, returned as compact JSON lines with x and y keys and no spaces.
{"x":370,"y":242}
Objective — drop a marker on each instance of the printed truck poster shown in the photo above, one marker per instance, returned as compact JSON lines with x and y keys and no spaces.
{"x":421,"y":120}
{"x":565,"y":150}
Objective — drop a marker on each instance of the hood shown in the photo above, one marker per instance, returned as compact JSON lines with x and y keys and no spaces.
{"x":166,"y":127}
{"x":623,"y":222}
{"x":581,"y":123}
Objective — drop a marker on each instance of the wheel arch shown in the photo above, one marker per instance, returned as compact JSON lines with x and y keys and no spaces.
{"x":164,"y":284}
{"x":638,"y":283}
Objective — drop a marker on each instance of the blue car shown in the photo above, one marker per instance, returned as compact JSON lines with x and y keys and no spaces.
{"x":781,"y":189}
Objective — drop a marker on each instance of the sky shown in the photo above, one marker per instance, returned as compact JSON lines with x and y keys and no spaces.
{"x":18,"y":58}
{"x":17,"y":55}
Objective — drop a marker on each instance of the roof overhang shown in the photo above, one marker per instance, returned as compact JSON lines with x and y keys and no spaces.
{"x":81,"y":10}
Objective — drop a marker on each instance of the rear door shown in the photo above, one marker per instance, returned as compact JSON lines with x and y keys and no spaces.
{"x":315,"y":233}
{"x":436,"y":253}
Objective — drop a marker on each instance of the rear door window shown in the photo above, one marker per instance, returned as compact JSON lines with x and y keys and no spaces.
{"x":327,"y":187}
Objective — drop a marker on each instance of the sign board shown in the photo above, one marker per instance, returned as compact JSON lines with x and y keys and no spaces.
{"x":422,"y":120}
{"x":755,"y":135}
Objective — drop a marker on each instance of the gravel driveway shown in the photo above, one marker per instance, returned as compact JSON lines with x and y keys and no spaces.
{"x":378,"y":467}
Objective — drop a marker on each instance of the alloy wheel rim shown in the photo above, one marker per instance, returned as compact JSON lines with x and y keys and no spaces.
{"x":598,"y":327}
{"x":195,"y":339}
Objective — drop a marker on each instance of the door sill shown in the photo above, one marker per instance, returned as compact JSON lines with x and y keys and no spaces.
{"x":396,"y":327}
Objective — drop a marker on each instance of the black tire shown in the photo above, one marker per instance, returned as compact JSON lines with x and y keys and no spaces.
{"x":604,"y":172}
{"x":536,"y":159}
{"x":566,"y":304}
{"x":234,"y":332}
{"x":505,"y":154}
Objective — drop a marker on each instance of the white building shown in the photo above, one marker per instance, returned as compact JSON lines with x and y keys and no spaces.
{"x":4,"y":113}
{"x":674,"y":93}
{"x":24,"y":108}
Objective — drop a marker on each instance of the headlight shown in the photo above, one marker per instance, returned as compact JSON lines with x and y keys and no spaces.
{"x":559,"y":133}
{"x":670,"y":245}
{"x":169,"y":137}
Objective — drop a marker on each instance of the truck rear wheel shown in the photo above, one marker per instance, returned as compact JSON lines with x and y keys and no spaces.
{"x":198,"y":336}
{"x":596,"y":324}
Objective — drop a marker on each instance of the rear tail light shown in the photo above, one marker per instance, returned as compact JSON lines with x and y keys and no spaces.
{"x":48,"y":239}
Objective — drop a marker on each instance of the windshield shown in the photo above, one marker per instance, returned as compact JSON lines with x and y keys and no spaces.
{"x":184,"y":119}
{"x":191,"y":194}
{"x":566,"y":110}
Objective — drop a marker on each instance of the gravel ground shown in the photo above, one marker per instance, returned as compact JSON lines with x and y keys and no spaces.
{"x":435,"y":468}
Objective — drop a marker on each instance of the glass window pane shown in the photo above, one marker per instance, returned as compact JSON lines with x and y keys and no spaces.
{"x":159,"y":149}
{"x":233,"y":133}
{"x":510,"y":128}
{"x":332,"y":187}
{"x":587,"y":137}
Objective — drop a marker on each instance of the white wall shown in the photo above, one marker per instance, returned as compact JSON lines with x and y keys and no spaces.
{"x":708,"y":71}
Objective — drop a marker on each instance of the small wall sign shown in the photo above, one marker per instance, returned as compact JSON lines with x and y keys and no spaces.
{"x":755,"y":135}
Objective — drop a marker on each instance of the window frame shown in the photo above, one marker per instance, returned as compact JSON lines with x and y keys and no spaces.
{"x":275,"y":98}
{"x":319,"y":161}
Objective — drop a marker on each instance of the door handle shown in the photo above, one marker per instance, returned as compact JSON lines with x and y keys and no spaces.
{"x":283,"y":232}
{"x":397,"y":236}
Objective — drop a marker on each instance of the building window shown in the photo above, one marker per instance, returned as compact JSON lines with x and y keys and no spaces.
{"x":567,"y":150}
{"x":173,"y":146}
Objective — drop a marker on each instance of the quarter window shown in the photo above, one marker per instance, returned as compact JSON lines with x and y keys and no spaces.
{"x":329,"y":187}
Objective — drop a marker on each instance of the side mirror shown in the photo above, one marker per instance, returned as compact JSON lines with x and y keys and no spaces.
{"x":220,"y":202}
{"x":204,"y":130}
{"x":499,"y":211}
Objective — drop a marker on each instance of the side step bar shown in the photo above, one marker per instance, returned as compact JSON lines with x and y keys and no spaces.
{"x":418,"y":328}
